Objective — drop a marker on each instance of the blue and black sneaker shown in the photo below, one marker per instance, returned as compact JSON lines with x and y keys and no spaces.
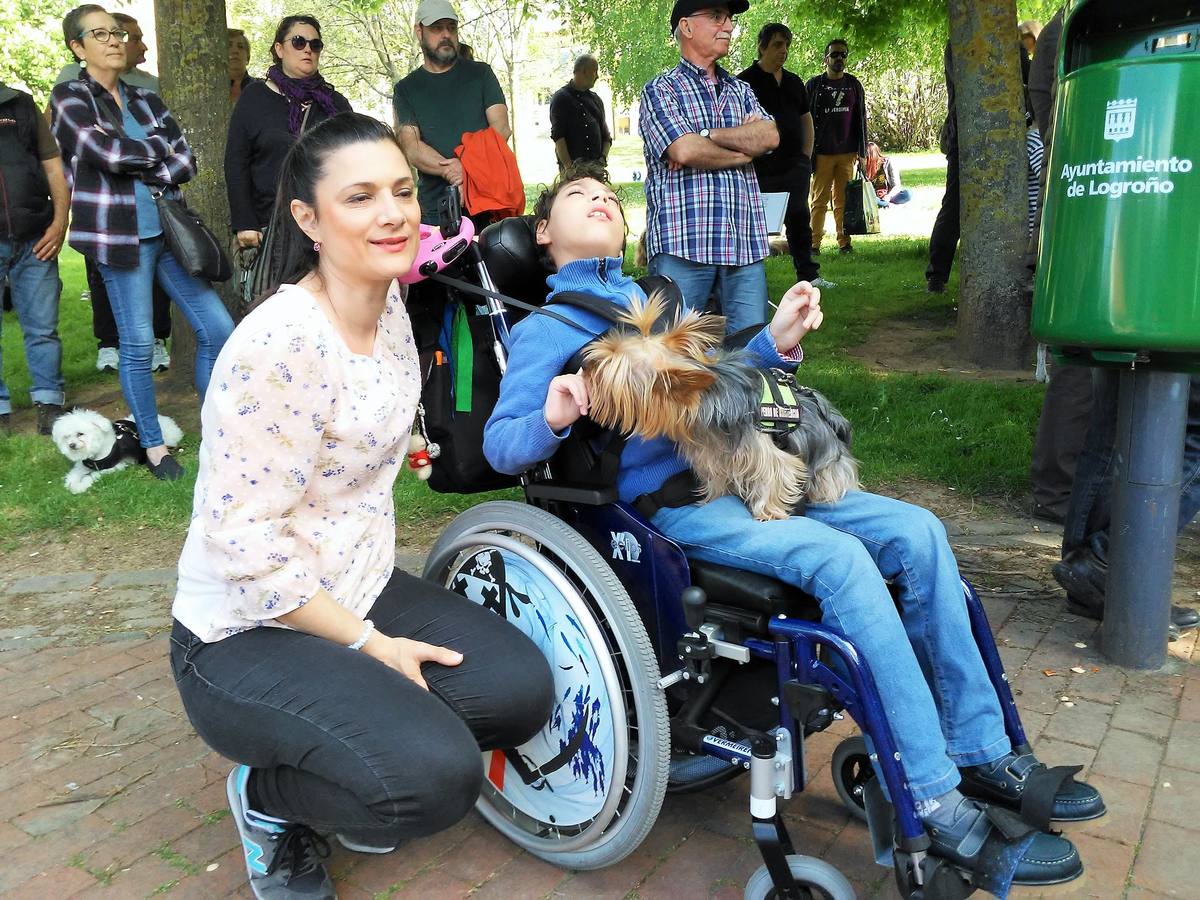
{"x":284,"y":860}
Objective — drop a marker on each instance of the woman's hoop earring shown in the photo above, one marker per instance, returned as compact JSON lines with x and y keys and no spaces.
{"x":316,"y":246}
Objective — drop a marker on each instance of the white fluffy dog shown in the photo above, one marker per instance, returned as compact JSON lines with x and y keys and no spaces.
{"x":98,"y":446}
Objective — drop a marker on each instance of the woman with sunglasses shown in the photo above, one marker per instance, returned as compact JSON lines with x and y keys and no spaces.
{"x":268,"y":119}
{"x":120,"y":146}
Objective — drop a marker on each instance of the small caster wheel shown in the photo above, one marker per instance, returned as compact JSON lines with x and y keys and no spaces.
{"x":852,"y":771}
{"x":822,"y":880}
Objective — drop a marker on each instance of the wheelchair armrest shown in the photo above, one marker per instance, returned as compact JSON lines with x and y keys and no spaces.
{"x":586,"y":496}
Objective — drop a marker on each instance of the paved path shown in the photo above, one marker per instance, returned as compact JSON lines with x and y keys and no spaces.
{"x":108,"y":793}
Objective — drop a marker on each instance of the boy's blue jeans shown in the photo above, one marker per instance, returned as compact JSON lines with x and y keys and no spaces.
{"x":35,"y":292}
{"x":740,"y":290}
{"x":130,"y":291}
{"x":936,"y":694}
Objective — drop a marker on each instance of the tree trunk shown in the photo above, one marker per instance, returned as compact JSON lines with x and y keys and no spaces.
{"x":193,"y":58}
{"x":993,"y":313}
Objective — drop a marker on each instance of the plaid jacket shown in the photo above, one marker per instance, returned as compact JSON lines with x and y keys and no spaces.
{"x":101,"y":164}
{"x":714,"y":217}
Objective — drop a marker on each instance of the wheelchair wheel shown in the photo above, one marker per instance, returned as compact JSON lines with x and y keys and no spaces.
{"x":586,"y":790}
{"x":851,"y":770}
{"x":822,"y":880}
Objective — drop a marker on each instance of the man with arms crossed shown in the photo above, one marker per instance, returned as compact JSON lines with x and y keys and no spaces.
{"x":702,"y":129}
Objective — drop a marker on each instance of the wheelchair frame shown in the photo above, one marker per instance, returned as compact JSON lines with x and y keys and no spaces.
{"x":818,"y":671}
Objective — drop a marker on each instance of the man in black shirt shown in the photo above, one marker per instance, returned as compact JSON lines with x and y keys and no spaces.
{"x":839,"y":112}
{"x":577,"y":124}
{"x":789,"y":167}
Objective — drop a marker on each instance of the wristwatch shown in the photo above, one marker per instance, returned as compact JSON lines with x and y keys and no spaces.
{"x":704,"y":133}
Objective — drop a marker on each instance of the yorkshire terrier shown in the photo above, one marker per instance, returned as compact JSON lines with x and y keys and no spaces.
{"x":660,"y":376}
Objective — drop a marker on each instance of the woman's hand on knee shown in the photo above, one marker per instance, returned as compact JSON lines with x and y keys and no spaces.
{"x":406,"y":656}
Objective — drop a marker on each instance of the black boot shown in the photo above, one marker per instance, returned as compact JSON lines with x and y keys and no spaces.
{"x":1083,"y":575}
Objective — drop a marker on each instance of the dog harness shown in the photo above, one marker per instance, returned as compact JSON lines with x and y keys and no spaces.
{"x":126,"y":446}
{"x":779,"y":409}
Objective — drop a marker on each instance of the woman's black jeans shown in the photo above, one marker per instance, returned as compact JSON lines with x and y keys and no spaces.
{"x":342,"y":743}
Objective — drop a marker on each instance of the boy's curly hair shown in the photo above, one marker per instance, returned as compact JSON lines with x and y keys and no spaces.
{"x":576,"y":171}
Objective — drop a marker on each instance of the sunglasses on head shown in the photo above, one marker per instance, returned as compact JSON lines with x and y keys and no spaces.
{"x":838,"y":54}
{"x":300,"y":43}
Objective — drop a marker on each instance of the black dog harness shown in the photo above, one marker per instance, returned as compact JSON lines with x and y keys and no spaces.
{"x":127,"y":446}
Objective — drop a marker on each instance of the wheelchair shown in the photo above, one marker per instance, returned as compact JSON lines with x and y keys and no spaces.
{"x":671,"y":674}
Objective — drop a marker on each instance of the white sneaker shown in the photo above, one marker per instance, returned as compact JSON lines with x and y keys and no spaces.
{"x":107,"y":360}
{"x":822,"y":283}
{"x":161,"y":360}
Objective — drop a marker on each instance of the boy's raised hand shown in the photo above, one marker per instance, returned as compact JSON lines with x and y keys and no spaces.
{"x":799,"y":313}
{"x":566,"y":401}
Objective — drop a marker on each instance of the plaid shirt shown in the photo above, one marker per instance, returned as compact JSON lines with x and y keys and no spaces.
{"x":714,"y":217}
{"x":101,"y":164}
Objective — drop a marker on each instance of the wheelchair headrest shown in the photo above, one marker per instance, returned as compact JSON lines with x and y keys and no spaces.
{"x":511,"y":255}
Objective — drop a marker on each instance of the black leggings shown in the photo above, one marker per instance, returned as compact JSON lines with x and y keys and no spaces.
{"x":339,"y":741}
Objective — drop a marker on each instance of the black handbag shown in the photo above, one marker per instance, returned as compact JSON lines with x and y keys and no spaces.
{"x":190,"y":241}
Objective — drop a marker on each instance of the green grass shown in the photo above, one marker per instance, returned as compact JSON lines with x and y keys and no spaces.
{"x":972,"y":435}
{"x":935,"y":177}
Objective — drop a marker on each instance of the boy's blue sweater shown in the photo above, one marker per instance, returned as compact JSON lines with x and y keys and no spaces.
{"x":517,"y":436}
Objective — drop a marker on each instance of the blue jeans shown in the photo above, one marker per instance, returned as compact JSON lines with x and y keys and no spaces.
{"x":1090,"y":511}
{"x":741,"y":291}
{"x":939,"y":702}
{"x":35,"y":293}
{"x":130,"y":293}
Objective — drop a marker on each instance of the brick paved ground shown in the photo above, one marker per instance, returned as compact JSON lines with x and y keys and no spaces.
{"x":107,"y":793}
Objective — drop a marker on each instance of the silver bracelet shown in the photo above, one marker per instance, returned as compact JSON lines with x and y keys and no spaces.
{"x":368,"y":627}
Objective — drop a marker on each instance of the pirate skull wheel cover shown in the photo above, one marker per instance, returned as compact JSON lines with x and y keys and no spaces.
{"x":563,"y":776}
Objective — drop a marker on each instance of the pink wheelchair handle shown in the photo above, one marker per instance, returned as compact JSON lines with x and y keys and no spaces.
{"x":436,"y":252}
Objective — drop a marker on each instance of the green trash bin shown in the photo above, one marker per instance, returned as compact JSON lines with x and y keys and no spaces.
{"x":1118,"y":275}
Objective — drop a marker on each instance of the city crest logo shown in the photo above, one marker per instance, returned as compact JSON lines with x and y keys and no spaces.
{"x":1119,"y":119}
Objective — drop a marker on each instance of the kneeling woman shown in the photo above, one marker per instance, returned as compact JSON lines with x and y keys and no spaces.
{"x":356,"y":698}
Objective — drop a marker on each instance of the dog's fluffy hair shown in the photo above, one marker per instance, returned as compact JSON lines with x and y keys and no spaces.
{"x":84,"y":435}
{"x":653,"y":380}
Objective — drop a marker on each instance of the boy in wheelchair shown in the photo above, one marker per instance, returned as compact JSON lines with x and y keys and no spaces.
{"x":938,"y":700}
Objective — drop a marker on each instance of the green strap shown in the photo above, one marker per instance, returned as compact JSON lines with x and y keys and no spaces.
{"x":464,"y":360}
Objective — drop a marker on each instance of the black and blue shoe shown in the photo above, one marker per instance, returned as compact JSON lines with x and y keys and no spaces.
{"x":998,"y":849}
{"x":285,"y":861}
{"x":1040,"y":794}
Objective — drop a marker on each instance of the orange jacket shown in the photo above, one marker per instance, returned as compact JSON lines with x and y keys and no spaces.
{"x":491,"y":180}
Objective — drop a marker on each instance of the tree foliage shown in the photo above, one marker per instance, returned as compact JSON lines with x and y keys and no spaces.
{"x":33,"y":47}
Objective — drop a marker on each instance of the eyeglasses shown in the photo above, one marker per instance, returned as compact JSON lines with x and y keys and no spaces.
{"x":104,"y":35}
{"x":300,"y":43}
{"x":720,"y":18}
{"x":838,"y":54}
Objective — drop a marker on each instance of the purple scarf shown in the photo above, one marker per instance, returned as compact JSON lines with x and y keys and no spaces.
{"x":300,"y":91}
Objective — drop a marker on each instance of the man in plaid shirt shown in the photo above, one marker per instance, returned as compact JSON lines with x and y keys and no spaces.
{"x":702,"y":128}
